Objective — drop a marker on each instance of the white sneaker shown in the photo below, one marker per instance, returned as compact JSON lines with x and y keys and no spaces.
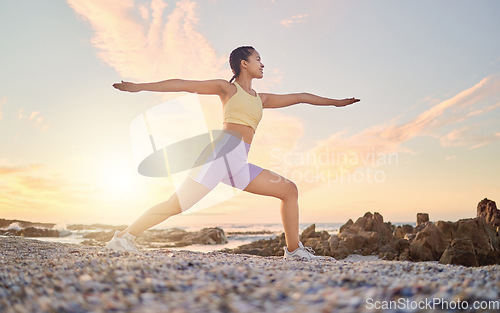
{"x":123,"y":243}
{"x":304,"y":253}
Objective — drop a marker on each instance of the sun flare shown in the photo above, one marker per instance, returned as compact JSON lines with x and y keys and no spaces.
{"x":117,"y":178}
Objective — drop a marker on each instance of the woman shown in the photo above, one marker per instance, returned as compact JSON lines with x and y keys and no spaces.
{"x":242,"y":107}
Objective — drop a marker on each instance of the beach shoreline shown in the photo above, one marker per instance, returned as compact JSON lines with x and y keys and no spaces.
{"x":38,"y":276}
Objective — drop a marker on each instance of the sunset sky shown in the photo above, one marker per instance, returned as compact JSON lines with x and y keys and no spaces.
{"x":424,"y":138}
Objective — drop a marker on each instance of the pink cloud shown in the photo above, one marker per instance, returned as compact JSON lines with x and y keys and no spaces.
{"x":382,"y":143}
{"x":467,"y":136}
{"x":141,"y":43}
{"x":34,"y":118}
{"x":389,"y":137}
{"x":34,"y":114}
{"x":296,"y":19}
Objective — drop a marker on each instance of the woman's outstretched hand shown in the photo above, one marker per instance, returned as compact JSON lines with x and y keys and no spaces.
{"x":345,"y":102}
{"x":127,"y":86}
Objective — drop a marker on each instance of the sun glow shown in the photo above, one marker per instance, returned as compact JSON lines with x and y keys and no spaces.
{"x":117,"y":178}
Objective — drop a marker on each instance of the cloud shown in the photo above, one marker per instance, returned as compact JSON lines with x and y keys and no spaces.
{"x":483,"y":110}
{"x":40,"y":189}
{"x":6,"y":170}
{"x":466,"y":136}
{"x":296,"y":19}
{"x":34,"y":118}
{"x":387,"y":138}
{"x":381,"y":144}
{"x":141,"y":43}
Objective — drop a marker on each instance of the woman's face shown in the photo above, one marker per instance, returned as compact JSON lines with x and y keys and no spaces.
{"x":254,"y":65}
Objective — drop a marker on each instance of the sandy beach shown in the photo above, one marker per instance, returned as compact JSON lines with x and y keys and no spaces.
{"x":38,"y":276}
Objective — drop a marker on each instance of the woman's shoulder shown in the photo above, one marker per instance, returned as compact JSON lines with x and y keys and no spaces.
{"x":229,"y":88}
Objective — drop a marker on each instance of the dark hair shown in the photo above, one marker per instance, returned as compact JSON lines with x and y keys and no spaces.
{"x":238,"y":54}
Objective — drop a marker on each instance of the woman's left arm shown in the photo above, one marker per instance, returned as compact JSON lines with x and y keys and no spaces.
{"x":270,"y":100}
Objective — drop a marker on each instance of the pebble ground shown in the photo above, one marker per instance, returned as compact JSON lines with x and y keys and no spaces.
{"x":38,"y":276}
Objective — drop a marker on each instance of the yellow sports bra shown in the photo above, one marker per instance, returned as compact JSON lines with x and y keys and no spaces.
{"x":243,"y":108}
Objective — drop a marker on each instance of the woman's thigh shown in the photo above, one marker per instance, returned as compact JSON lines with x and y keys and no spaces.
{"x":187,"y":195}
{"x":269,"y":183}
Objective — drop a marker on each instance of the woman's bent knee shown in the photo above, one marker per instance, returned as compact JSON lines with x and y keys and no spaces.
{"x":291,"y":191}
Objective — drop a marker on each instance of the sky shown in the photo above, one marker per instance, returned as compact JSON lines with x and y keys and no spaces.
{"x":425,"y":136}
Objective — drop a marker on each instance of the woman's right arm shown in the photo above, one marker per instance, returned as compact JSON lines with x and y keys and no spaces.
{"x":204,"y":87}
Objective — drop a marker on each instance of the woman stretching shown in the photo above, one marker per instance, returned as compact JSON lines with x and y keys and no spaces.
{"x":242,"y":108}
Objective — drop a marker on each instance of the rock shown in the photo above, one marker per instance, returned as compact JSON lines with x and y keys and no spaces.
{"x":488,"y":210}
{"x":320,"y":246}
{"x":422,"y":218}
{"x":401,"y":231}
{"x":170,"y":235}
{"x":100,"y":236}
{"x":346,"y":225}
{"x":310,"y":232}
{"x":404,"y":256}
{"x":320,"y":242}
{"x":30,"y":232}
{"x":333,"y":242}
{"x":447,"y":230}
{"x":483,"y":236}
{"x":264,"y":247}
{"x":365,"y":236}
{"x":207,"y":236}
{"x":24,"y":224}
{"x":428,"y":241}
{"x":428,"y":244}
{"x":459,"y":252}
{"x":173,"y":237}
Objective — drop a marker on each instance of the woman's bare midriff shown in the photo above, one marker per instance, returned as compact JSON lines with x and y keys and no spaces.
{"x":245,"y":131}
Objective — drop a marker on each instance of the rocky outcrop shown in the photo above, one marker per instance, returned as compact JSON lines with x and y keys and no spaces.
{"x":318,"y":241}
{"x":207,"y":236}
{"x":422,"y":219}
{"x":25,"y":224}
{"x":368,"y":235}
{"x":30,"y":232}
{"x":428,"y":244}
{"x":469,"y":242}
{"x":483,"y":236}
{"x":400,"y":232}
{"x":168,"y":238}
{"x":264,"y":247}
{"x":487,"y":209}
{"x":459,"y":252}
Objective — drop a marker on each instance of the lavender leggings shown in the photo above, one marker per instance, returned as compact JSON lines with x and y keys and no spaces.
{"x":225,"y":160}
